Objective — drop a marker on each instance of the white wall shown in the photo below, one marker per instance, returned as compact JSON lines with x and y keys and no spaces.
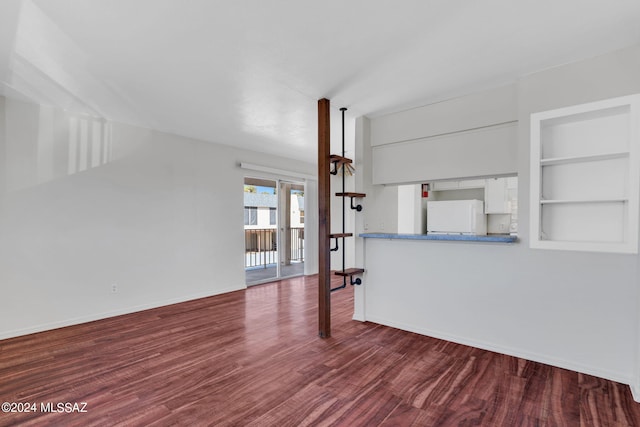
{"x":570,"y":309}
{"x":380,"y":206}
{"x":410,"y":217}
{"x":3,"y":145}
{"x":163,"y":219}
{"x":8,"y":25}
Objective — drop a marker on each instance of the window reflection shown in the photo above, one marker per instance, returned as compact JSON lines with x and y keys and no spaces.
{"x":40,"y":143}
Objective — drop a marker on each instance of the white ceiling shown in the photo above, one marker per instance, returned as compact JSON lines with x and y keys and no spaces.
{"x":249,"y":72}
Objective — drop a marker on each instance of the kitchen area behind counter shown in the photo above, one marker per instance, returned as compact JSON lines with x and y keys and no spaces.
{"x":470,"y":209}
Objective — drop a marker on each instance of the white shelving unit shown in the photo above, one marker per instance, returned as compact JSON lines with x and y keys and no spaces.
{"x":585,"y":177}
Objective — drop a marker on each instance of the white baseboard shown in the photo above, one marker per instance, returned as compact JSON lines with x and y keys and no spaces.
{"x":535,"y":357}
{"x":114,"y":313}
{"x":635,"y":392}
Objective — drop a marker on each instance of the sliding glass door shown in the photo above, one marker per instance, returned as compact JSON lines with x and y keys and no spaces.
{"x":273,"y":229}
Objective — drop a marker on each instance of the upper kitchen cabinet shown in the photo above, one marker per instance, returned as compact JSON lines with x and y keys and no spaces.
{"x":585,"y":177}
{"x":497,"y":192}
{"x":463,"y":138}
{"x":487,"y":151}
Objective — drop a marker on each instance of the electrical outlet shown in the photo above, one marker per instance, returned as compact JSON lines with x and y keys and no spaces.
{"x":114,"y":288}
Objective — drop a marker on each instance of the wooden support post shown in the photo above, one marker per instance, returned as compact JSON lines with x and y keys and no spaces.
{"x":324,"y":217}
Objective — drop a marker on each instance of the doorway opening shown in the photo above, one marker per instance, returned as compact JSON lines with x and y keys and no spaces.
{"x":273,"y":229}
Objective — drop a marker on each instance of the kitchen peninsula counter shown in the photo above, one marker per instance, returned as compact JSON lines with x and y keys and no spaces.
{"x":446,"y":237}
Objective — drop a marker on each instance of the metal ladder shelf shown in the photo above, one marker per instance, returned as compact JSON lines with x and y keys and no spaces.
{"x":340,"y":162}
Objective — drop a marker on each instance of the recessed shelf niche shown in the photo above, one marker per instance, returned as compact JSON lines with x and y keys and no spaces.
{"x":585,"y":177}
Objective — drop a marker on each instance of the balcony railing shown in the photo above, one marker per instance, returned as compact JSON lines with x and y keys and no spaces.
{"x":261,"y":246}
{"x":297,"y":244}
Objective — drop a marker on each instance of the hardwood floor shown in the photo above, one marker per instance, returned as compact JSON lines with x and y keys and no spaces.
{"x":253,"y":358}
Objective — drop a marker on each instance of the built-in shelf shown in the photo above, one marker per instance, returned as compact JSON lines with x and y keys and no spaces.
{"x":595,"y":200}
{"x":580,"y":159}
{"x":585,"y":177}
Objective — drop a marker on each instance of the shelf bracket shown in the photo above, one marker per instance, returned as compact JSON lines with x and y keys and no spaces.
{"x":344,"y":285}
{"x":352,"y":281}
{"x":335,"y":168}
{"x":350,"y":272}
{"x":336,"y":247}
{"x":352,"y":196}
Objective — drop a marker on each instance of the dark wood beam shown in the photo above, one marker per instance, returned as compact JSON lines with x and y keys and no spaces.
{"x":324,"y":218}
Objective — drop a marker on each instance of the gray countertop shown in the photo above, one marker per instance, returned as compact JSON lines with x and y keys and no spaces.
{"x":499,"y":238}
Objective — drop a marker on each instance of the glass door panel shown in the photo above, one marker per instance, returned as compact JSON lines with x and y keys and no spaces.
{"x":260,"y":230}
{"x":291,"y":229}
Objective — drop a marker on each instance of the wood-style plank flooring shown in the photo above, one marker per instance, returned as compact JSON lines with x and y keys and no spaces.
{"x":253,"y":358}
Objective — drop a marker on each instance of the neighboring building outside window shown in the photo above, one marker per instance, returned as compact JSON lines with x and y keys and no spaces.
{"x":272,"y":216}
{"x":250,"y":215}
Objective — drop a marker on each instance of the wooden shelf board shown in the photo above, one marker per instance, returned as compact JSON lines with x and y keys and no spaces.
{"x":358,"y":195}
{"x":334,"y":158}
{"x":350,"y":272}
{"x":337,"y":235}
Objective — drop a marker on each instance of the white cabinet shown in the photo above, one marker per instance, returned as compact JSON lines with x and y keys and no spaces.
{"x":585,"y":176}
{"x":457,"y":185}
{"x":471,"y":183}
{"x":444,"y":185}
{"x":496,"y":196}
